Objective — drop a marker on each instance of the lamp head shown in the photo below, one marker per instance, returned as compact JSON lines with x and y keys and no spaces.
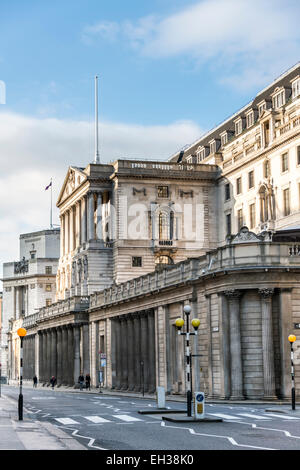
{"x":21,"y":332}
{"x":292,"y":338}
{"x":179,"y":323}
{"x":196,"y":323}
{"x":187,"y":309}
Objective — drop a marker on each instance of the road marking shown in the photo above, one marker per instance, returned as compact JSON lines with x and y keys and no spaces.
{"x":229,"y":438}
{"x":127,"y":418}
{"x":282,"y":416}
{"x":251,"y":415}
{"x":66,"y":421}
{"x":97,"y":419}
{"x":220,"y":415}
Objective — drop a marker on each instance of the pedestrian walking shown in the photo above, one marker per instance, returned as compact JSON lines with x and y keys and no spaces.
{"x":35,"y":380}
{"x":81,"y":381}
{"x":88,"y":382}
{"x":53,"y":382}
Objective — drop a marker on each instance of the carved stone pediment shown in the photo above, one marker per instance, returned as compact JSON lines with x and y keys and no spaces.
{"x":244,"y":236}
{"x":74,"y":178}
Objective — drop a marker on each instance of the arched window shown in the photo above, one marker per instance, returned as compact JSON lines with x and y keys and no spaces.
{"x":163,"y":260}
{"x":165,"y":224}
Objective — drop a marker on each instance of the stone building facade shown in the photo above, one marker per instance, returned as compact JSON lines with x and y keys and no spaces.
{"x":217,"y":226}
{"x":28,"y":285}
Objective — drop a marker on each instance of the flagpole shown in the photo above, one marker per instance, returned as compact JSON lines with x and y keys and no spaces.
{"x":51,"y":225}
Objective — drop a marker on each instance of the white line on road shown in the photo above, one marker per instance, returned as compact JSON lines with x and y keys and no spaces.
{"x":66,"y":421}
{"x":220,"y":415}
{"x":282,"y":416}
{"x":251,"y":415}
{"x":97,"y":419}
{"x":127,"y":418}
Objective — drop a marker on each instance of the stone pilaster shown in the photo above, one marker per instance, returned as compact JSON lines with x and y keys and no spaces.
{"x":267,"y":343}
{"x":233,"y":297}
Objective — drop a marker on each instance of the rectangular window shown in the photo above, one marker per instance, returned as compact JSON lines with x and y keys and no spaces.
{"x":228,"y":224}
{"x":278,"y":100}
{"x":298,"y":155}
{"x":296,"y":88}
{"x":239,"y":185}
{"x":240,"y":218}
{"x":284,"y":162}
{"x":250,"y":119}
{"x":266,"y":169}
{"x":48,"y":287}
{"x":163,"y":191}
{"x":262,"y":108}
{"x":238,"y":127}
{"x":48,"y":269}
{"x":227,"y":191}
{"x":136,"y":261}
{"x":251,"y":179}
{"x":48,"y":302}
{"x":252,"y":215}
{"x":213,"y":147}
{"x":286,"y":202}
{"x":201,"y":155}
{"x":224,"y":139}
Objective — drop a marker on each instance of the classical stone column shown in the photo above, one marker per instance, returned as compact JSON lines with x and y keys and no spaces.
{"x":53,"y":357}
{"x":64,"y":340}
{"x":130,"y":353}
{"x":99,"y":229}
{"x":72,"y":229}
{"x":267,"y":343}
{"x":59,"y":356}
{"x":91,"y":223}
{"x":77,"y":224}
{"x":83,"y":220}
{"x":137,"y":351}
{"x":118,"y":363}
{"x":145,"y":350}
{"x":86,"y":349}
{"x":235,"y":344}
{"x":70,"y":356}
{"x":61,"y":235}
{"x":285,"y":322}
{"x":124,"y":353}
{"x":76,"y":330}
{"x":39,"y":372}
{"x":152,"y":359}
{"x":48,"y":362}
{"x":67,"y":231}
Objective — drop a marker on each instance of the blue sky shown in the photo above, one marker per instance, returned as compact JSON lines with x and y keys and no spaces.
{"x":169,"y":71}
{"x":49,"y":57}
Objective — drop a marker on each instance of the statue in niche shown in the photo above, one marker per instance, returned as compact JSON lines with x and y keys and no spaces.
{"x":79,"y":270}
{"x":73,"y":274}
{"x":85,"y":267}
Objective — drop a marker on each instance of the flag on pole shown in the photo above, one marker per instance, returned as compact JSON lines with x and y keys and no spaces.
{"x":47,"y":187}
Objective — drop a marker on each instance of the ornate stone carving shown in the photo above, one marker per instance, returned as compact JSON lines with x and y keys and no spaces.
{"x":79,"y":270}
{"x":232,"y":293}
{"x":85,"y":267}
{"x":21,"y":266}
{"x":244,"y":236}
{"x":266,"y":293}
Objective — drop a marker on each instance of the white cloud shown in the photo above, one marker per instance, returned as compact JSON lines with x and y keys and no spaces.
{"x":247,"y":43}
{"x":34,"y":150}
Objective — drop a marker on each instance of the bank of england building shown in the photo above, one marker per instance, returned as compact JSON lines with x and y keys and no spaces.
{"x":216,"y":226}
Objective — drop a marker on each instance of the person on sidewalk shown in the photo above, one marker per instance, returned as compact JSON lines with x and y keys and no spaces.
{"x":53,"y":382}
{"x":81,"y":381}
{"x":35,"y":380}
{"x":88,"y":382}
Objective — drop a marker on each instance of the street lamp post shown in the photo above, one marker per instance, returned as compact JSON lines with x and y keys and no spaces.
{"x":179,"y":324}
{"x":292,"y":339}
{"x":21,"y":333}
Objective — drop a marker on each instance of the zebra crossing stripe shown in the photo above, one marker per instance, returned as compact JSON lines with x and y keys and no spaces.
{"x":220,"y":415}
{"x":66,"y":421}
{"x":97,"y":419}
{"x":251,"y":415}
{"x":126,"y":418}
{"x":282,"y":416}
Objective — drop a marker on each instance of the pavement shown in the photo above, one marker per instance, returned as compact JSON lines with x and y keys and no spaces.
{"x":30,"y":434}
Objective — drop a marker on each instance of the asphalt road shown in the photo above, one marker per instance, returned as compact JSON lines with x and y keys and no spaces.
{"x":104,"y":422}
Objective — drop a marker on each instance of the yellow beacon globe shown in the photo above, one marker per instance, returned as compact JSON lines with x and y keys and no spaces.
{"x":179,"y":322}
{"x":21,"y":332}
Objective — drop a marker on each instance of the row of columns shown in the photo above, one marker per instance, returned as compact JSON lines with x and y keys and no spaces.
{"x":59,"y":353}
{"x":81,"y":222}
{"x":235,"y":350}
{"x":133,"y":352}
